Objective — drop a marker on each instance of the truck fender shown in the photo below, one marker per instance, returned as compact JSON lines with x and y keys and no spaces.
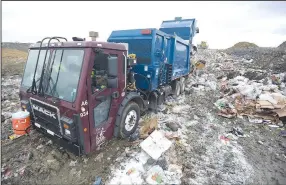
{"x":129,"y":97}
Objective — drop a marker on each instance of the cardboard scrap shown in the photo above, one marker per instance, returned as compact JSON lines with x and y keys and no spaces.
{"x":264,"y":104}
{"x":281,"y":112}
{"x":155,"y":144}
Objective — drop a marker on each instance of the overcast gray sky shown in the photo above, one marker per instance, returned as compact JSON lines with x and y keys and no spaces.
{"x":221,"y":24}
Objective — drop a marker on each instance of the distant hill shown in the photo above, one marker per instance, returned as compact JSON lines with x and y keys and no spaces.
{"x":244,"y":45}
{"x":16,"y":45}
{"x":283,"y":45}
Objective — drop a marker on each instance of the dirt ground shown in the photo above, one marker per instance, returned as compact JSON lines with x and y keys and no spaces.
{"x":202,"y":156}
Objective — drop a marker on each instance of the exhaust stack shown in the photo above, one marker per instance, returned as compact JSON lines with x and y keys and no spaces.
{"x":93,"y":35}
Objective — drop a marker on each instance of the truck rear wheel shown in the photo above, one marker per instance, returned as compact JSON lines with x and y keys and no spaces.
{"x":176,"y":88}
{"x":183,"y":84}
{"x":129,"y":120}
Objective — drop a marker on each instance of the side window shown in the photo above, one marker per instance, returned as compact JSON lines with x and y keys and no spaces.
{"x":99,"y":73}
{"x":100,"y":69}
{"x":100,"y":112}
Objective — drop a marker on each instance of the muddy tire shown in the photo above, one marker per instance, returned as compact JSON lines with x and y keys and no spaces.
{"x":129,"y":120}
{"x":183,"y":85}
{"x":176,"y":88}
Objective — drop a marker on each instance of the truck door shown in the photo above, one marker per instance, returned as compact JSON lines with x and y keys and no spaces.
{"x":101,"y":100}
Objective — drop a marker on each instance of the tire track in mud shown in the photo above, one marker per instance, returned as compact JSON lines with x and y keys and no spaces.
{"x":207,"y":160}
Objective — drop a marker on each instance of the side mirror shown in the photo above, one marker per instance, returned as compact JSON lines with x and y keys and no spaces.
{"x":112,"y":66}
{"x":112,"y":82}
{"x":197,"y":30}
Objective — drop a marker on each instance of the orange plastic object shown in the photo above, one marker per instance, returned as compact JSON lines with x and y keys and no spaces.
{"x":21,"y":122}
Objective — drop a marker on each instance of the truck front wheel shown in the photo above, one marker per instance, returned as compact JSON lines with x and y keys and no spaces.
{"x":129,"y":120}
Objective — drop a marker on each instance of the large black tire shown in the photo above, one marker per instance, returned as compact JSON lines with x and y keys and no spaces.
{"x":183,"y":85}
{"x":129,"y":120}
{"x":176,"y":87}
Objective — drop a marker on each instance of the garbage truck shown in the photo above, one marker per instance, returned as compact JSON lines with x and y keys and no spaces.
{"x":82,"y":93}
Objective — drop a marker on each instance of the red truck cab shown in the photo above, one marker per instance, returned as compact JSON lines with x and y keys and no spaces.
{"x":76,"y":93}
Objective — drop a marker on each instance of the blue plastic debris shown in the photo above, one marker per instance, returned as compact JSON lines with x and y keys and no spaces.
{"x":97,"y":181}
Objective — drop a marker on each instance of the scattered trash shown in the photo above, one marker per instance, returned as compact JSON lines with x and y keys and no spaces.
{"x":85,"y":160}
{"x":39,"y":147}
{"x":254,"y":120}
{"x":155,"y":144}
{"x":49,"y":142}
{"x":22,"y":170}
{"x":72,"y":163}
{"x":130,"y":171}
{"x":273,"y":126}
{"x":148,"y":127}
{"x":97,"y":181}
{"x":151,"y":161}
{"x":99,"y":157}
{"x":155,"y":175}
{"x":15,"y":174}
{"x":173,"y":126}
{"x":283,"y":133}
{"x":173,"y":135}
{"x":237,"y":131}
{"x":162,"y":163}
{"x":224,"y":139}
{"x":227,"y":113}
{"x":260,"y":142}
{"x":134,"y":136}
{"x":7,"y":173}
{"x":281,"y":112}
{"x":15,"y":136}
{"x":262,"y":103}
{"x":174,"y":174}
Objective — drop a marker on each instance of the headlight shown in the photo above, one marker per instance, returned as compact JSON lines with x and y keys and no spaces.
{"x":68,"y":128}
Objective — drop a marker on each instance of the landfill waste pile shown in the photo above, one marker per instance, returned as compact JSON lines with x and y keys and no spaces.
{"x":228,"y":127}
{"x":262,"y":101}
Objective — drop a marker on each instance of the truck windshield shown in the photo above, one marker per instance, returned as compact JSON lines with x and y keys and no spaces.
{"x":64,"y":70}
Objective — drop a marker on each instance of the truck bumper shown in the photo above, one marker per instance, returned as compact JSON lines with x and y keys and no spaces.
{"x":62,"y":142}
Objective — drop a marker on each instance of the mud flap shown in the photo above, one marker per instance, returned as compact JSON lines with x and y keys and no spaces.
{"x":153,"y":101}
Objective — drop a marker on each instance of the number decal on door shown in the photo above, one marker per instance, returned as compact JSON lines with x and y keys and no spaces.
{"x":84,"y":112}
{"x":83,"y":103}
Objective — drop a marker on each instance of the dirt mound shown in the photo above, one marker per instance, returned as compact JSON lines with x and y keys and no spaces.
{"x":262,"y":58}
{"x":283,"y":45}
{"x":13,"y":61}
{"x":16,"y":45}
{"x":244,"y":45}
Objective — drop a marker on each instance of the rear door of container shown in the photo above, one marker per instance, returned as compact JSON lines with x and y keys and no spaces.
{"x":181,"y":59}
{"x":159,"y":57}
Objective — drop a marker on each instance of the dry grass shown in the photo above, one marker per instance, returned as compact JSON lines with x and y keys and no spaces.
{"x":13,"y":61}
{"x":13,"y":53}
